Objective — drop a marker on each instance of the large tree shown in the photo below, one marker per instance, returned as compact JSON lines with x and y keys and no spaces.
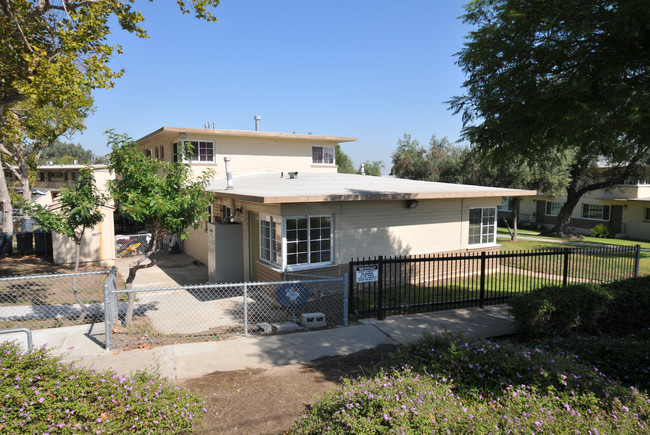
{"x":546,"y":79}
{"x":164,"y":195}
{"x":53,"y":53}
{"x":50,"y":47}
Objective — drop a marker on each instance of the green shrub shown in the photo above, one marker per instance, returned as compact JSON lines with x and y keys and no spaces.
{"x":40,"y":394}
{"x":602,"y":231}
{"x":557,"y":310}
{"x":629,"y":310}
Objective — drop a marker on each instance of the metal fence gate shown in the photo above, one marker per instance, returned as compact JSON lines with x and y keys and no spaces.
{"x":384,"y":286}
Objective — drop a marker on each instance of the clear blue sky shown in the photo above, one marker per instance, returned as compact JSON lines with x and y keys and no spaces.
{"x":371,"y":69}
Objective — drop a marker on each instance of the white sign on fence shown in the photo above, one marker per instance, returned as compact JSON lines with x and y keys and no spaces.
{"x":368,"y":273}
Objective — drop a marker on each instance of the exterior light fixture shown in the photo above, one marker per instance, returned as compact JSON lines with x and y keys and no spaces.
{"x":412,"y":203}
{"x":182,"y":135}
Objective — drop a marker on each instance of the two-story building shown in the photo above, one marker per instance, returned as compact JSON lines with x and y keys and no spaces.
{"x":624,"y":208}
{"x":282,"y":207}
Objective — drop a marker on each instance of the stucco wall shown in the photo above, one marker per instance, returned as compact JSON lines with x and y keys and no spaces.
{"x":196,"y":244}
{"x":97,"y":245}
{"x":250,"y":155}
{"x":369,"y":228}
{"x":634,"y":224}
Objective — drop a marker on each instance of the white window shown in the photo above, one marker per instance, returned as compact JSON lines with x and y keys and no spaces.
{"x":482,"y":226}
{"x":271,"y":239}
{"x":322,"y":155}
{"x":505,"y":205}
{"x":309,"y":240}
{"x":553,"y":208}
{"x":306,"y":241}
{"x":197,"y":151}
{"x":595,"y":211}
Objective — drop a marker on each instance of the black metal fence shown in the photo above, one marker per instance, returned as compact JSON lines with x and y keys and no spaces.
{"x":384,"y":286}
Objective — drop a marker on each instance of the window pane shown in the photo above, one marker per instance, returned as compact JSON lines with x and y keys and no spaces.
{"x":482,"y":225}
{"x":317,"y":154}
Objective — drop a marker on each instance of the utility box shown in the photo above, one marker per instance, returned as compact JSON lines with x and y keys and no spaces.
{"x":313,"y":320}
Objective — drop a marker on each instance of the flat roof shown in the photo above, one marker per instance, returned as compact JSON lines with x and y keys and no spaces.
{"x":277,"y":188}
{"x":170,"y":133}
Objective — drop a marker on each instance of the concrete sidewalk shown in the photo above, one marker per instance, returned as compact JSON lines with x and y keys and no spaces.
{"x":84,"y":344}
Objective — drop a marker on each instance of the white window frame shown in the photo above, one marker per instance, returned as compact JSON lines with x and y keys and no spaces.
{"x":487,"y":230}
{"x":275,"y":245}
{"x":270,"y":253}
{"x":589,"y":210}
{"x":324,"y":150}
{"x":196,"y":158}
{"x":550,"y":206}
{"x":309,"y":264}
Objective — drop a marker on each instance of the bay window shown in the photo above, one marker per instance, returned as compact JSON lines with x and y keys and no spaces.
{"x":296,"y":242}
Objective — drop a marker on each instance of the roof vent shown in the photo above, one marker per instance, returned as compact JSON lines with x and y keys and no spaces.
{"x":257,"y":122}
{"x":293,"y":175}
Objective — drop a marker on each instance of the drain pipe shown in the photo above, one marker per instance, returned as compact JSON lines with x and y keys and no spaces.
{"x":230,"y":186}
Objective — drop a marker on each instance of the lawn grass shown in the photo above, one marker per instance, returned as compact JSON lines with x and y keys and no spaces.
{"x":532,"y":245}
{"x":585,"y":239}
{"x":455,"y":292}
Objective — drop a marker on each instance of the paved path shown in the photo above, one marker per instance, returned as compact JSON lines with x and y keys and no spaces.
{"x":84,"y":344}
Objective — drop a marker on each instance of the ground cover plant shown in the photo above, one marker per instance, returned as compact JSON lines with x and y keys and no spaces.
{"x":40,"y":394}
{"x":452,"y":384}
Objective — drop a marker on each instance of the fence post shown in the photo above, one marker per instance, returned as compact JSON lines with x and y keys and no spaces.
{"x":345,"y":300}
{"x":481,"y":300}
{"x":637,"y":259}
{"x":245,"y":309}
{"x":109,"y":310}
{"x":380,"y":289}
{"x":350,"y":288}
{"x":565,"y":273}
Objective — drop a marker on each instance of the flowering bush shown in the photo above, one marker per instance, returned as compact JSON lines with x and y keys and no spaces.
{"x":40,"y":395}
{"x":454,"y":385}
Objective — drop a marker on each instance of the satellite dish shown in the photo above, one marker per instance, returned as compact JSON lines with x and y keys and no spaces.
{"x":292,"y":295}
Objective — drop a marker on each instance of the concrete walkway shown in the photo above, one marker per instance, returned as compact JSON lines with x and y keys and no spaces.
{"x":84,"y":344}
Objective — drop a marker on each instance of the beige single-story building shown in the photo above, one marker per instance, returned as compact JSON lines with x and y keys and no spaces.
{"x":268,"y":224}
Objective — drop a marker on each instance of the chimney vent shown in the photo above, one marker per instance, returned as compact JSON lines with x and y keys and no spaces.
{"x":257,"y":122}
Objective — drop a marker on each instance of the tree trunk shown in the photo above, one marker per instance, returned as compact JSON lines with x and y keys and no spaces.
{"x":564,"y":216}
{"x":133,"y":269}
{"x":84,"y":309}
{"x":5,"y":199}
{"x":515,"y":218}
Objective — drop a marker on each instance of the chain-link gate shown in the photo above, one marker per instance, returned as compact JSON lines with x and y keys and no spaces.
{"x":221,"y":311}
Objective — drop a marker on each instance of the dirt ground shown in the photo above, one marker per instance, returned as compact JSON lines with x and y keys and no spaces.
{"x":34,"y":265}
{"x":269,"y":401}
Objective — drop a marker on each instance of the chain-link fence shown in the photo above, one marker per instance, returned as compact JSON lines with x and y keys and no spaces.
{"x":221,"y":311}
{"x":50,"y":301}
{"x":131,"y":245}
